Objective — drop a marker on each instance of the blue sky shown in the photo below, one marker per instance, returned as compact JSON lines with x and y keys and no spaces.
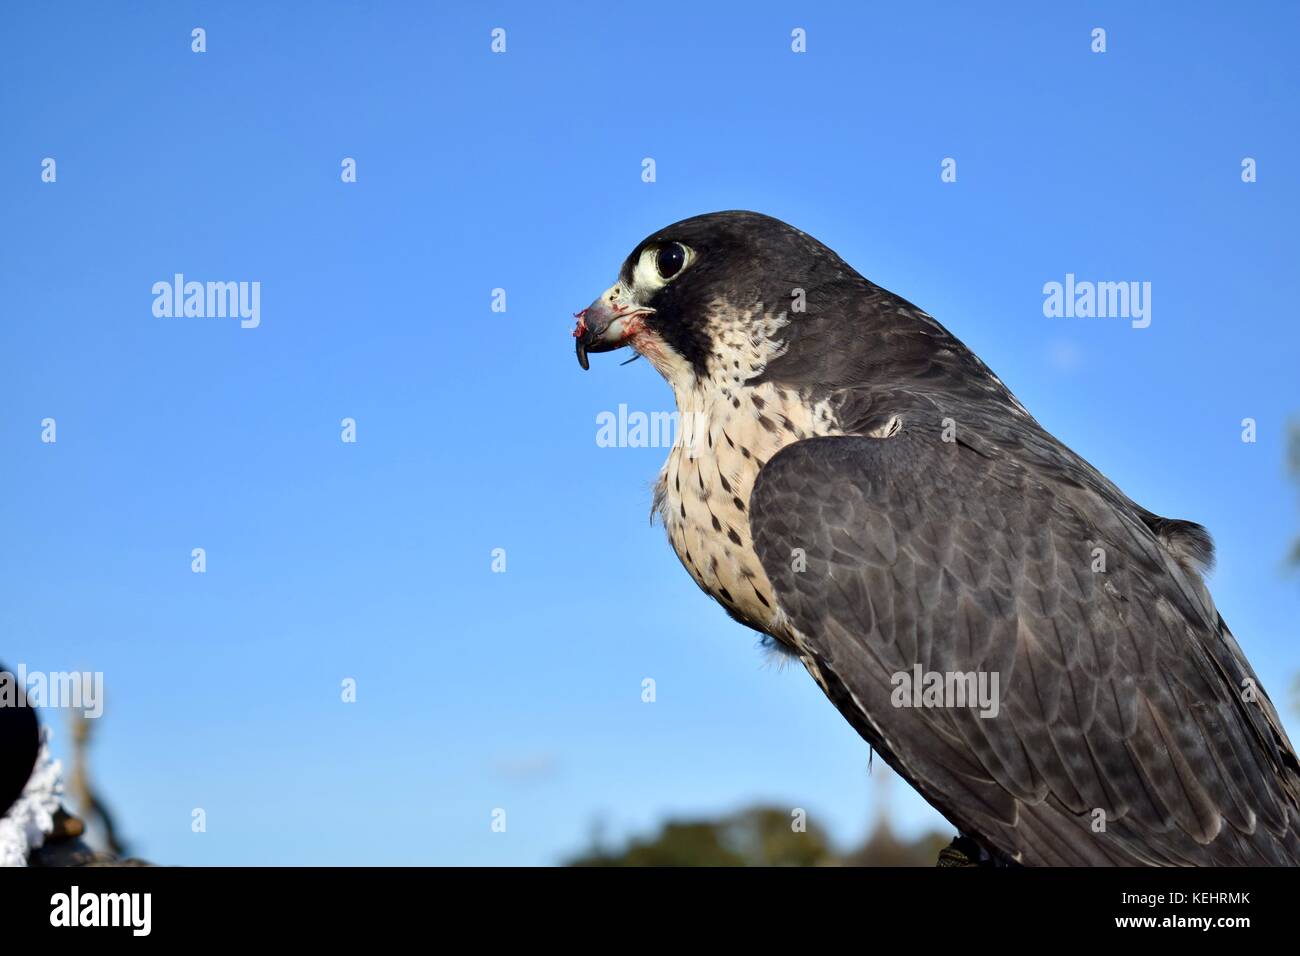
{"x":476,"y":430}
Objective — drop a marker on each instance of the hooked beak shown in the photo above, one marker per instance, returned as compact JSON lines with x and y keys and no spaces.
{"x":608,"y":323}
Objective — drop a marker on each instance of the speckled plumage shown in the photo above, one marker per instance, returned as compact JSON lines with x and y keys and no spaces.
{"x":938,"y":525}
{"x":730,"y":429}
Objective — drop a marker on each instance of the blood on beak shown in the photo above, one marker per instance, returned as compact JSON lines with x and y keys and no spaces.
{"x":607,"y":324}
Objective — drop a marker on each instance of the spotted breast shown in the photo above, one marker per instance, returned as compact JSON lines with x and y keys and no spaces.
{"x":727,"y":430}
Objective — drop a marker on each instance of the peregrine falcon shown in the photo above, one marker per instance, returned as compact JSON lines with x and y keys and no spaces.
{"x":1035,"y":653}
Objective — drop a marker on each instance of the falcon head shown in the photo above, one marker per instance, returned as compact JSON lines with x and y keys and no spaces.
{"x":706,"y":298}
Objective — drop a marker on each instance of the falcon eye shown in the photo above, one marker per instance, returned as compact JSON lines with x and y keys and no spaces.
{"x":669,"y":260}
{"x":657,"y":265}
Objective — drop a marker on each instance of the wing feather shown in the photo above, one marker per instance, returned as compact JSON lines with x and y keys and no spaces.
{"x":1120,"y":690}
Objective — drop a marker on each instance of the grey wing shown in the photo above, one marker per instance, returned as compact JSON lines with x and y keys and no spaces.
{"x":1129,"y":728}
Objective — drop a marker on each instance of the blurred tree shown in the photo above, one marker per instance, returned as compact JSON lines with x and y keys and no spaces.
{"x":884,"y":848}
{"x":760,"y":836}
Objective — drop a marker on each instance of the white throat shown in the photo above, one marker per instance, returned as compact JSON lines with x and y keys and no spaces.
{"x":728,"y":429}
